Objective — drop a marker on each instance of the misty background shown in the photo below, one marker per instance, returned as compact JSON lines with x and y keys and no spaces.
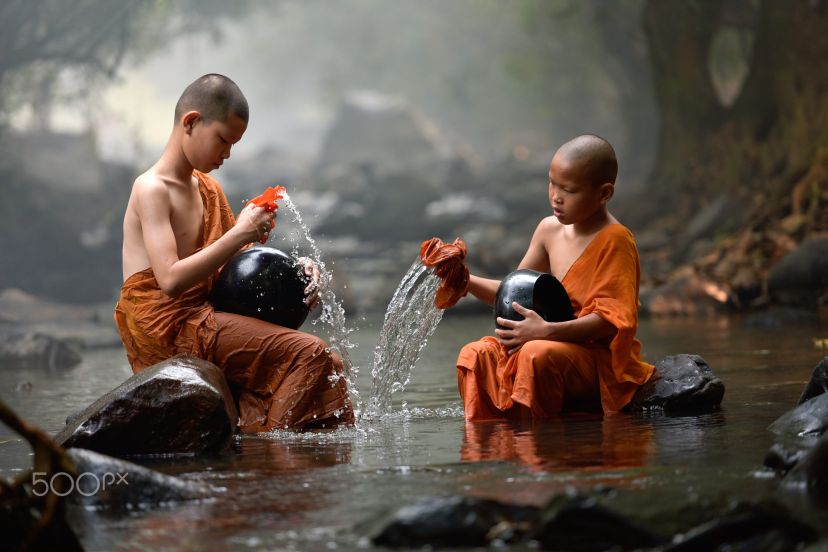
{"x":392,"y":122}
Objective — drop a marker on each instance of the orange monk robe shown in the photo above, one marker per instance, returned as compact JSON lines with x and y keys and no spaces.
{"x":284,"y":378}
{"x":545,"y":378}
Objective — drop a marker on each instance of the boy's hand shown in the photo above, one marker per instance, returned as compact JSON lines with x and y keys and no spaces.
{"x":518,"y":332}
{"x":310,"y":270}
{"x":255,"y":223}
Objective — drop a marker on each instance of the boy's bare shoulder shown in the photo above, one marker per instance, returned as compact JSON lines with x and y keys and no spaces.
{"x":150,"y":186}
{"x":549,"y":226}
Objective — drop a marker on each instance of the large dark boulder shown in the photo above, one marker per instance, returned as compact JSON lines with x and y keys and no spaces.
{"x":801,"y":277}
{"x":808,"y":419}
{"x":34,"y":349}
{"x":747,"y":527}
{"x":818,"y":384}
{"x":448,"y":521}
{"x":104,"y":482}
{"x":681,"y":383}
{"x":181,"y":405}
{"x":579,"y":523}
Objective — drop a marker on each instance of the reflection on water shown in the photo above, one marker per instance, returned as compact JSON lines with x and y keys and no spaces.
{"x":577,"y":444}
{"x":319,"y":491}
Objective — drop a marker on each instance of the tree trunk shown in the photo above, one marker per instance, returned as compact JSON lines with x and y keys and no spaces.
{"x":768,"y":153}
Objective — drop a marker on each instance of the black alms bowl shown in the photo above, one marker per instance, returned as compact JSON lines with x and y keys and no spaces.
{"x":539,"y":291}
{"x":265,"y":283}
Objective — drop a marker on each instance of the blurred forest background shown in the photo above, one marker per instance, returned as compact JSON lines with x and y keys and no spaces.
{"x":394,"y":121}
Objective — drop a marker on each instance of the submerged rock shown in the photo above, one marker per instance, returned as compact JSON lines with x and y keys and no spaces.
{"x":781,"y":459}
{"x":680,"y":383}
{"x":579,"y":523}
{"x":36,"y":349}
{"x":818,"y":384}
{"x":181,"y":405}
{"x":811,"y":473}
{"x":449,"y":521}
{"x":747,"y":528}
{"x":808,"y":419}
{"x":111,"y":483}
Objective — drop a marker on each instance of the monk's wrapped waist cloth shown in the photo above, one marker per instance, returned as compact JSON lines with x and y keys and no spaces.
{"x":283,"y":378}
{"x":547,"y":377}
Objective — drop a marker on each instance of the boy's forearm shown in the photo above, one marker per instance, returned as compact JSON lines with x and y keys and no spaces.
{"x":484,"y":289}
{"x":187,"y":272}
{"x":587,"y":328}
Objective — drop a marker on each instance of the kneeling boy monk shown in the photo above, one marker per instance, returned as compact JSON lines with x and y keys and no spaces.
{"x":178,"y":231}
{"x":538,"y":369}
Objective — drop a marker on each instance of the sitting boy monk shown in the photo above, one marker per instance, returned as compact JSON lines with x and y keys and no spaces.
{"x":178,"y":231}
{"x":538,"y":369}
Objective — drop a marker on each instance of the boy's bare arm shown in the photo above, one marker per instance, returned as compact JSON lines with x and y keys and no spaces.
{"x":484,"y":289}
{"x":537,"y":255}
{"x":536,"y":258}
{"x":175,"y":275}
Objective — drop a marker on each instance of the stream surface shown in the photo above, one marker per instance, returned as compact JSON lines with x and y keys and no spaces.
{"x":324,"y":490}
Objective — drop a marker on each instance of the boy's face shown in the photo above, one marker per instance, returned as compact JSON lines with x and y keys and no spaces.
{"x":572,"y":197}
{"x":208,"y":145}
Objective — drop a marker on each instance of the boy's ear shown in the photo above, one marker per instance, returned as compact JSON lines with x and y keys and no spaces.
{"x":189,"y":119}
{"x":607,"y":190}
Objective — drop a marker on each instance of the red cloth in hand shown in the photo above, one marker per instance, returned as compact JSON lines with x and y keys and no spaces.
{"x":447,"y":260}
{"x":268,"y":199}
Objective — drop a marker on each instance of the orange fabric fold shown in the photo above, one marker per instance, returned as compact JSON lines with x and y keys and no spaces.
{"x":447,"y":261}
{"x":268,"y":199}
{"x":282,"y":377}
{"x":545,"y":378}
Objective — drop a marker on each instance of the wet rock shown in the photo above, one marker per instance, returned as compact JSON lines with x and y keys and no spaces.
{"x":782,"y":459}
{"x":114,"y":484}
{"x":747,"y":528}
{"x":681,"y":383}
{"x":181,"y":405}
{"x":449,"y":521}
{"x":801,"y":277}
{"x":818,"y":384}
{"x":808,"y":419}
{"x":578,"y":523}
{"x":33,"y":349}
{"x":811,"y":473}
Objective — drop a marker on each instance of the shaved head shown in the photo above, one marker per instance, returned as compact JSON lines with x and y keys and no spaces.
{"x":593,"y":155}
{"x":215,"y":97}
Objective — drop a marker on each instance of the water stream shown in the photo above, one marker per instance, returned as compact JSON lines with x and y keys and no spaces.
{"x":332,"y":316}
{"x":410,"y":319}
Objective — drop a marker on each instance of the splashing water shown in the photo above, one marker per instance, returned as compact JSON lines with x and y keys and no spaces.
{"x":333,"y":314}
{"x":410,"y":320}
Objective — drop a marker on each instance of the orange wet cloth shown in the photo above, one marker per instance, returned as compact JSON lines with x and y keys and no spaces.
{"x":282,"y":377}
{"x":545,"y":378}
{"x":447,"y":260}
{"x":268,"y":199}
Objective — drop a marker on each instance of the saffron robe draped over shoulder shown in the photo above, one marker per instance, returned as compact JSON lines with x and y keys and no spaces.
{"x":283,"y":378}
{"x":546,"y":377}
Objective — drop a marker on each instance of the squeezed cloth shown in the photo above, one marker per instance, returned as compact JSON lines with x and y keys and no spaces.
{"x":447,"y":261}
{"x":283,"y":378}
{"x":545,"y":378}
